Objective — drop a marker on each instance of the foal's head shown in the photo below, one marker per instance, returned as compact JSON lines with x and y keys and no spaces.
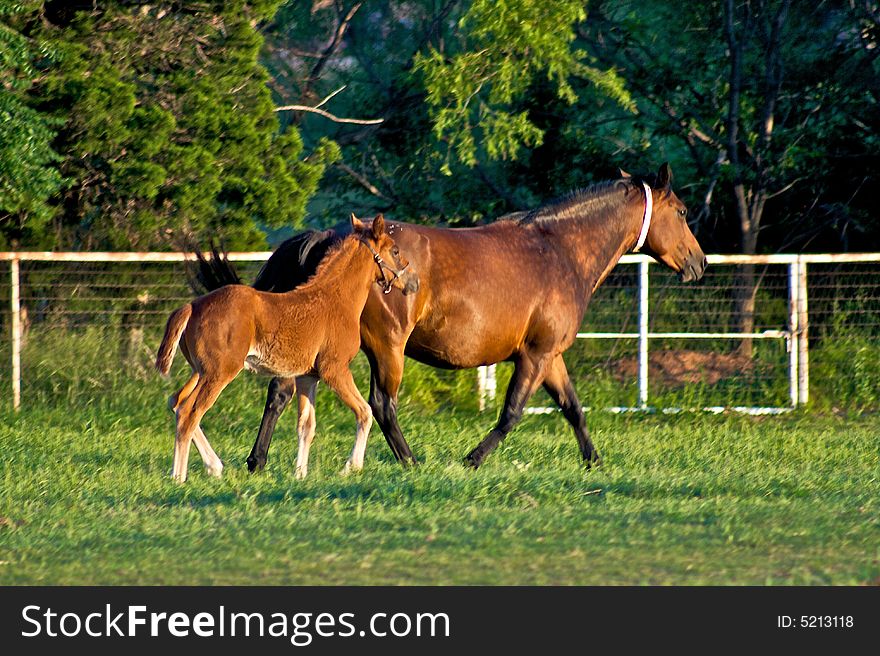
{"x":669,"y":239}
{"x":392,"y":269}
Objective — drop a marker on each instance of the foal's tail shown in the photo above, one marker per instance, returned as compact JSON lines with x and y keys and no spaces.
{"x":173,"y":330}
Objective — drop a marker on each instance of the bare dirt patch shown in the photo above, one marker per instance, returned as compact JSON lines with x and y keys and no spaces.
{"x":683,"y":367}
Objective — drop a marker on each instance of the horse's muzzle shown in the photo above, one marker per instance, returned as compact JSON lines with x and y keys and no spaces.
{"x":694,"y":267}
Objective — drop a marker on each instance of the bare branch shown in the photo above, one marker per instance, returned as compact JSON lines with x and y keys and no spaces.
{"x":366,"y":184}
{"x":325,"y":114}
{"x":324,"y":102}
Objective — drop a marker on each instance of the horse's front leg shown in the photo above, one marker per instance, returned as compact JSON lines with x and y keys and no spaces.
{"x":386,"y":373}
{"x":528,"y":373}
{"x":558,"y":385}
{"x":278,"y":396}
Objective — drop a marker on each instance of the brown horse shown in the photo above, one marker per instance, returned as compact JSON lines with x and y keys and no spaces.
{"x":312,"y":330}
{"x":513,"y":290}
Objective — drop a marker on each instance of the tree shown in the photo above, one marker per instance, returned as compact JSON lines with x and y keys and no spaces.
{"x":440,"y":154}
{"x":748,"y":96}
{"x":505,"y":47}
{"x":28,"y":175}
{"x":165,"y":127}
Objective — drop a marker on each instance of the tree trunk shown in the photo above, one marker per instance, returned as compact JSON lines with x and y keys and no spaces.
{"x":745,"y":287}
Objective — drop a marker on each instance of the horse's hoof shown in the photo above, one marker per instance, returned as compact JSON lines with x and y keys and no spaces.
{"x":300,"y":473}
{"x":472,"y":461}
{"x":216,"y":472}
{"x":255,"y":465}
{"x":593,"y":461}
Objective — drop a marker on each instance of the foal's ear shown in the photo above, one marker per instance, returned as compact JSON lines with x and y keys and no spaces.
{"x":356,"y":223}
{"x":378,"y":226}
{"x":624,"y":174}
{"x":664,"y":177}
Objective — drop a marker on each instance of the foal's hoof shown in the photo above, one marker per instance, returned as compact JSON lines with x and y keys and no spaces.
{"x":300,"y":473}
{"x":593,"y":461}
{"x":215,"y":471}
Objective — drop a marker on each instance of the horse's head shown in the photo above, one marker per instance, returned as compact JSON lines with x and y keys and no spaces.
{"x":393,"y":269}
{"x":669,"y":239}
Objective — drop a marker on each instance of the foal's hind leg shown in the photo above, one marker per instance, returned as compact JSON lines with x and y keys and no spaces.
{"x":189,"y":414}
{"x":559,"y":387}
{"x":342,"y":383}
{"x":305,"y":391}
{"x":212,"y":461}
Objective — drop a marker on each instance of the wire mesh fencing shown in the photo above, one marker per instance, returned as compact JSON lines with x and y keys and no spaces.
{"x":764,"y":333}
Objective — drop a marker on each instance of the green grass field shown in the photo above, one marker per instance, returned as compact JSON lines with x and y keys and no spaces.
{"x":86,"y":498}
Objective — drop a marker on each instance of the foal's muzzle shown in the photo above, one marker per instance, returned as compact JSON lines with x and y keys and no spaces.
{"x":410,"y":282}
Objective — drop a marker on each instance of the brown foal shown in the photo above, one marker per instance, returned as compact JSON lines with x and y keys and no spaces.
{"x":313,"y":330}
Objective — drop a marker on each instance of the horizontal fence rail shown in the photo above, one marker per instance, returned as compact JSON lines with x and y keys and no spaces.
{"x":647,"y":342}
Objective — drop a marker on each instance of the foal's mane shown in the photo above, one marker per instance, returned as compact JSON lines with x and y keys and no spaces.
{"x":337,"y":252}
{"x":596,"y":202}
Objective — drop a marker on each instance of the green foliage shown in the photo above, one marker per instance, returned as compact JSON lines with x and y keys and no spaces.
{"x":28,"y":175}
{"x":506,"y":47}
{"x":176,"y":138}
{"x":158,"y":119}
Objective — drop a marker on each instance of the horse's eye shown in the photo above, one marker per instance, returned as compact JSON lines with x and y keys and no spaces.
{"x":395,"y":251}
{"x":682,"y":212}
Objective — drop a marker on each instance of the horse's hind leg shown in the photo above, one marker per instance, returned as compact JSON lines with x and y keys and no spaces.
{"x":343,"y":384}
{"x":559,"y":387}
{"x":528,"y":373}
{"x":305,"y":392}
{"x":277,"y":397}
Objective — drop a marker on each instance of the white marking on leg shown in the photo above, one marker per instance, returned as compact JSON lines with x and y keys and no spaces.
{"x":305,"y":426}
{"x":356,"y":459}
{"x":212,"y":461}
{"x":181,"y":457}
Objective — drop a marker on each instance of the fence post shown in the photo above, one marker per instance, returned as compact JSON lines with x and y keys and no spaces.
{"x":793,"y":340}
{"x":803,"y":336}
{"x":486,"y":385}
{"x":15,"y":302}
{"x":643,"y":333}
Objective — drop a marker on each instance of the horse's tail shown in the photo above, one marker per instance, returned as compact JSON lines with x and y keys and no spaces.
{"x":173,"y":330}
{"x":207,"y":274}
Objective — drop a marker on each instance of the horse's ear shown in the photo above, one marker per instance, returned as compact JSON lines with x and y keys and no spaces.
{"x":378,"y":226}
{"x":624,"y":174}
{"x":664,"y":177}
{"x":356,"y":223}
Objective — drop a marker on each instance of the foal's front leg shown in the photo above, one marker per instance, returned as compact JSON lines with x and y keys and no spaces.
{"x":343,"y":384}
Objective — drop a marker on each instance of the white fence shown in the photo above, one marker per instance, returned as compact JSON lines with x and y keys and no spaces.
{"x":787,"y":321}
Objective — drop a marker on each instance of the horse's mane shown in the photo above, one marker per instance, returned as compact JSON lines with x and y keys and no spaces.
{"x":295,"y":260}
{"x":598,"y":200}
